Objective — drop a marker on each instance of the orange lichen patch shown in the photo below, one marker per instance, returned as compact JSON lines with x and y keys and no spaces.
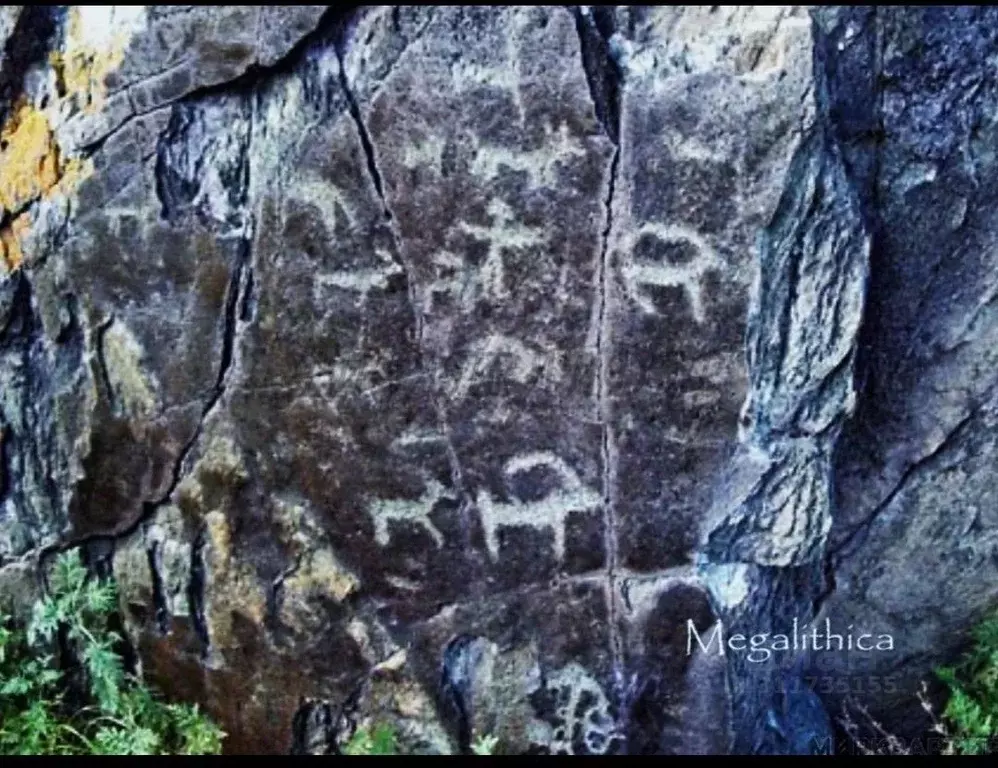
{"x":31,"y":168}
{"x":29,"y":158}
{"x":11,"y":254}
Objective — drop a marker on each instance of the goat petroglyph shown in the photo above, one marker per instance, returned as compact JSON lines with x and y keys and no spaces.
{"x":360,"y":281}
{"x":540,"y":165}
{"x":638,"y":273}
{"x":547,"y":513}
{"x":550,"y":512}
{"x":384,"y":511}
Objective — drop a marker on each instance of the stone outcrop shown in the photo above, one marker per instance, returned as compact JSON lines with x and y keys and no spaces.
{"x":444,"y":366}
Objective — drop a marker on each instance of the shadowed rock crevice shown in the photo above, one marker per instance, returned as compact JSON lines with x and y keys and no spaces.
{"x":6,"y":465}
{"x":196,"y":594}
{"x":313,"y":729}
{"x":28,"y":44}
{"x":456,"y":681}
{"x":364,"y":136}
{"x":160,"y":608}
{"x":39,"y":367}
{"x":236,"y":297}
{"x":595,"y":26}
{"x":100,"y":333}
{"x":374,"y":171}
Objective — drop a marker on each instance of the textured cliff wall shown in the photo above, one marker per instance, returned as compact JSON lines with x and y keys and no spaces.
{"x":439,"y":365}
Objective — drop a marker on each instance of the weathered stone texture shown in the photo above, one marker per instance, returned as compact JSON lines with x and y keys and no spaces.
{"x":436,"y":365}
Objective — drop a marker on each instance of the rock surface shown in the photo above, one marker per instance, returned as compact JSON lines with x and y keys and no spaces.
{"x":444,"y":366}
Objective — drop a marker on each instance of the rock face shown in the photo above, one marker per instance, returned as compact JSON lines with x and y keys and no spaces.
{"x":456,"y":366}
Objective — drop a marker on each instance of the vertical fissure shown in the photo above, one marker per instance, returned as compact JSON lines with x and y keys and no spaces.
{"x":161,"y":614}
{"x":872,"y":209}
{"x":6,"y":460}
{"x":595,"y":27}
{"x":353,"y":107}
{"x":608,"y":447}
{"x":800,"y":392}
{"x":100,"y":352}
{"x":196,"y":593}
{"x":230,"y":321}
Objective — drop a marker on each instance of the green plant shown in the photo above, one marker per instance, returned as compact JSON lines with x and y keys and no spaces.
{"x":379,"y":740}
{"x":44,"y":711}
{"x":484,"y":745}
{"x":972,"y":710}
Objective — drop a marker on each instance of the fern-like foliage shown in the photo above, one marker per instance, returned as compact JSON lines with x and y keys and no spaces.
{"x":123,"y":716}
{"x":972,"y":710}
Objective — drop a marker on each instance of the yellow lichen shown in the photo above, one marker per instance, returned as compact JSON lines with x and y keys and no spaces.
{"x":317,"y":575}
{"x":74,"y":171}
{"x":123,"y":356}
{"x":233,"y":586}
{"x":322,"y":574}
{"x":31,"y":168}
{"x":29,"y":158}
{"x":82,"y":67}
{"x":11,"y":254}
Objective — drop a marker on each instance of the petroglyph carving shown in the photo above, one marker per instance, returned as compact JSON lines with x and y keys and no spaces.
{"x":549,"y":512}
{"x":540,"y":165}
{"x":332,"y":205}
{"x":503,"y":73}
{"x":362,"y":281}
{"x":425,"y":153}
{"x":503,"y":234}
{"x":519,"y":363}
{"x":451,"y":278}
{"x":683,"y":146}
{"x":582,"y":712}
{"x":687,"y":275}
{"x":384,"y":511}
{"x":418,"y":438}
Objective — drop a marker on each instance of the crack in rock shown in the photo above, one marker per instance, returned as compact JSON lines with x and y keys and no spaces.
{"x":595,"y":26}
